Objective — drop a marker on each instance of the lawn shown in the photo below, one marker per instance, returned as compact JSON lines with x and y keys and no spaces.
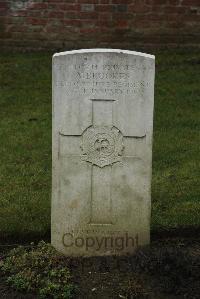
{"x":25,"y":152}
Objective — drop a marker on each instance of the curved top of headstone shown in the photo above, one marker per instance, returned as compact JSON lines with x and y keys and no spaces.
{"x":103,"y":50}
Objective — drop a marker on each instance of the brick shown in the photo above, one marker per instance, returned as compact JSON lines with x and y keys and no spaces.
{"x":18,"y":20}
{"x":191,"y":2}
{"x":38,"y":13}
{"x":18,"y":28}
{"x":39,"y":6}
{"x":157,"y":9}
{"x":21,"y":13}
{"x":123,"y":1}
{"x":141,"y":24}
{"x":56,"y":14}
{"x":87,"y":7}
{"x":54,"y":29}
{"x":175,"y":25}
{"x":105,"y":23}
{"x":106,"y":30}
{"x":105,"y":16}
{"x":17,"y":35}
{"x":99,"y":22}
{"x":104,"y":8}
{"x":38,"y":29}
{"x":122,"y":16}
{"x":88,"y":23}
{"x":121,"y":32}
{"x":195,"y":10}
{"x":89,"y":30}
{"x":155,"y":2}
{"x":69,"y":7}
{"x":36,"y":21}
{"x":104,"y":1}
{"x":71,"y":22}
{"x":3,"y":5}
{"x":174,"y":9}
{"x":191,"y":18}
{"x":121,"y":23}
{"x":88,"y":15}
{"x":67,"y":1}
{"x":173,"y":2}
{"x":175,"y":18}
{"x":54,"y":6}
{"x":71,"y":15}
{"x":139,"y":8}
{"x":88,"y":1}
{"x":2,"y":13}
{"x":120,"y":8}
{"x":7,"y":20}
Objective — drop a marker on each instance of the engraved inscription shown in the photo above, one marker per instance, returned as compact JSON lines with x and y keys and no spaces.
{"x":104,"y":79}
{"x":102,"y":145}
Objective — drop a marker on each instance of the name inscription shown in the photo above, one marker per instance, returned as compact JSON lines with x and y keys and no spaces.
{"x":106,"y":79}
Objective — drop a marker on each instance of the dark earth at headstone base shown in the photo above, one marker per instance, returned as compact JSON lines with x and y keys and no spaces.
{"x":169,"y":269}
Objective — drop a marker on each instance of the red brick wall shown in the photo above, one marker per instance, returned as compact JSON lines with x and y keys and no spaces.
{"x":67,"y":24}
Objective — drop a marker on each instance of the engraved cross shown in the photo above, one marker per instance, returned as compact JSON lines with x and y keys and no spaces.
{"x":102,"y":145}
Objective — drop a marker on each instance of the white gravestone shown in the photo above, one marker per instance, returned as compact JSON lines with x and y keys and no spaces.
{"x":102,"y":151}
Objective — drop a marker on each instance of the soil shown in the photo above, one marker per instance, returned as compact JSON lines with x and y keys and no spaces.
{"x":168,"y":269}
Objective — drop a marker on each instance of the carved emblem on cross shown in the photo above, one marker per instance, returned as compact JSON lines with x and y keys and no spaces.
{"x":102,"y":145}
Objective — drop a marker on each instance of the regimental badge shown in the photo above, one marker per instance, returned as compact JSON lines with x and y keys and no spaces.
{"x":102,"y":145}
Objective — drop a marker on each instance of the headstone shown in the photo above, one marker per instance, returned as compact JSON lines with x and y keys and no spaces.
{"x":102,"y":151}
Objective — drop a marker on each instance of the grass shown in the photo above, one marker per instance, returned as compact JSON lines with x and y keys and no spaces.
{"x":25,"y":132}
{"x":175,"y":185}
{"x":25,"y":168}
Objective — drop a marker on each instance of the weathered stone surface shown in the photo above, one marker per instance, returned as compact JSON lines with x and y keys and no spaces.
{"x":102,"y":151}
